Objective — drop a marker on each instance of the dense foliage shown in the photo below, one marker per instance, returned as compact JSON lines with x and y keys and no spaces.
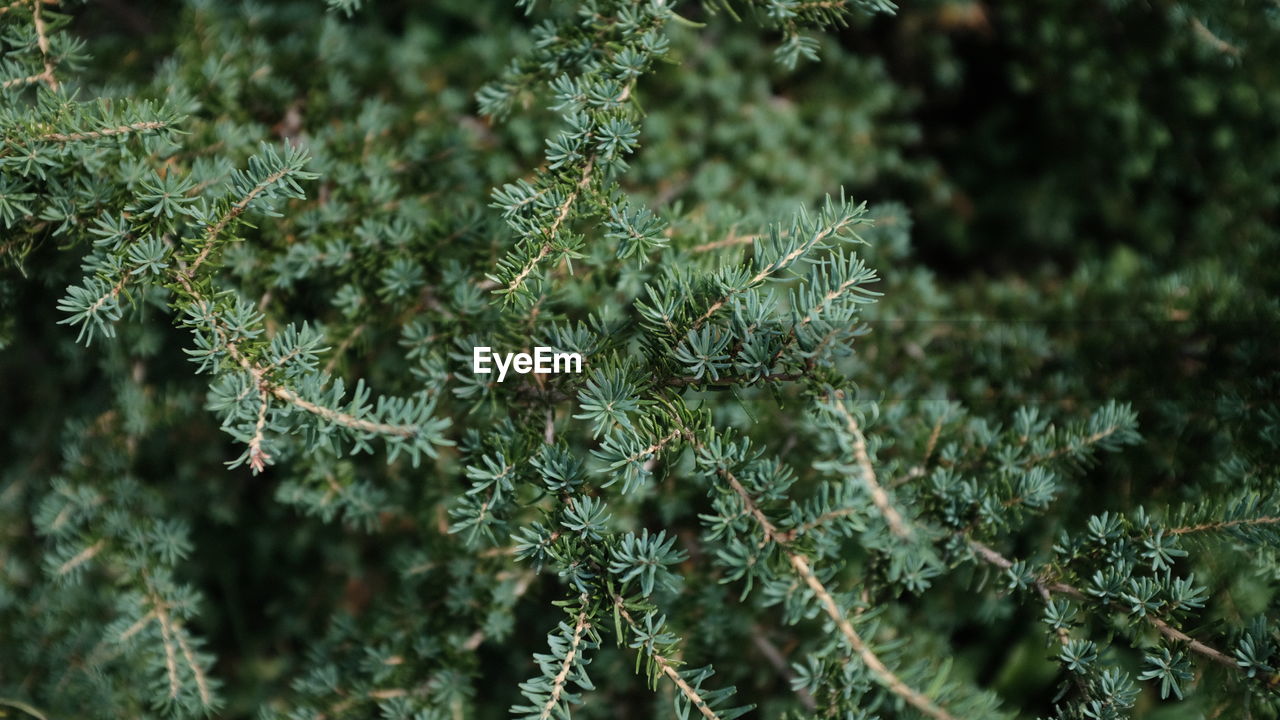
{"x":930,"y":359}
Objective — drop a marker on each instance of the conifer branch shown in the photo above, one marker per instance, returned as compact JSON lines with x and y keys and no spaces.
{"x":183,"y":276}
{"x":729,"y":240}
{"x":170,"y":653}
{"x":729,"y":380}
{"x":258,"y":458}
{"x":553,"y":230}
{"x":882,"y":673}
{"x":171,"y":633}
{"x":28,"y":80}
{"x":141,"y":126}
{"x":779,"y":663}
{"x":932,"y":443}
{"x":138,"y":626}
{"x":580,"y":626}
{"x":202,"y":681}
{"x":13,"y":5}
{"x":791,"y":534}
{"x":878,"y":495}
{"x":1212,"y":40}
{"x":18,"y":704}
{"x":234,"y":211}
{"x":82,"y":557}
{"x":744,"y":346}
{"x":1224,"y":525}
{"x":831,"y":222}
{"x":42,"y":40}
{"x":343,"y":346}
{"x":338,"y":417}
{"x":1046,"y":586}
{"x":1089,"y":440}
{"x":652,"y":449}
{"x":668,"y":668}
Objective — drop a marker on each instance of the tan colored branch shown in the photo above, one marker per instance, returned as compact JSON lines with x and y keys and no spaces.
{"x":523,"y":582}
{"x":727,"y":241}
{"x":42,"y":39}
{"x":562,"y":213}
{"x":12,"y":5}
{"x":779,"y":663}
{"x":661,"y":443}
{"x":346,"y":343}
{"x":183,"y":276}
{"x":103,"y":132}
{"x":1063,"y":450}
{"x":171,"y":632}
{"x":258,"y":458}
{"x":787,"y":536}
{"x":22,"y":80}
{"x":1212,"y":40}
{"x":82,"y":557}
{"x":170,"y":653}
{"x":878,"y":495}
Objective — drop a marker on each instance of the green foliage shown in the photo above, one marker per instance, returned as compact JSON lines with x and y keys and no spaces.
{"x":1001,"y":441}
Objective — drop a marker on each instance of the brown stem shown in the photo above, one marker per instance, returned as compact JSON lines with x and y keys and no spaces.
{"x":103,"y":132}
{"x":183,"y":276}
{"x":1211,"y":39}
{"x":82,"y":557}
{"x":171,"y":632}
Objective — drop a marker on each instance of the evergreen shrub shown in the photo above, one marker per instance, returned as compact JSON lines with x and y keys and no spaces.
{"x":930,"y":360}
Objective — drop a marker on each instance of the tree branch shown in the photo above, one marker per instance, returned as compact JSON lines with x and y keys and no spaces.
{"x":668,"y":668}
{"x":878,"y":495}
{"x":800,"y":563}
{"x":1044,"y":587}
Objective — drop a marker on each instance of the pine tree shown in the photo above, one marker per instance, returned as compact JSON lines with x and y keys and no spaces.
{"x":251,"y":248}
